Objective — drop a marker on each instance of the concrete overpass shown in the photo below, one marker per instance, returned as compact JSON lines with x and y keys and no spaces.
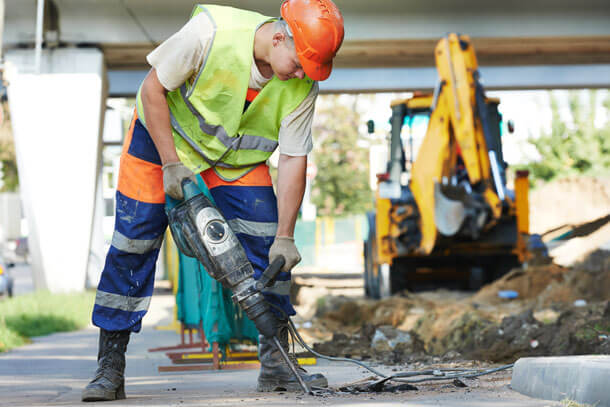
{"x":96,"y":48}
{"x":388,"y":44}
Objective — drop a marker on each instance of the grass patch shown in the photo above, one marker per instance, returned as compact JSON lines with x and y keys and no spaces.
{"x":572,"y":403}
{"x":592,"y":332}
{"x":42,"y":313}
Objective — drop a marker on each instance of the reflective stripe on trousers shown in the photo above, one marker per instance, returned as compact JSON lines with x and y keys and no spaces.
{"x":126,"y":285}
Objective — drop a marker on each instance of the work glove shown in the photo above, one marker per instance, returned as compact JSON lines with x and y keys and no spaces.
{"x":173,"y":175}
{"x":284,"y":246}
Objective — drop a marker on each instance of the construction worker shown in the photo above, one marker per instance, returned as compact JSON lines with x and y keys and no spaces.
{"x":222,"y":94}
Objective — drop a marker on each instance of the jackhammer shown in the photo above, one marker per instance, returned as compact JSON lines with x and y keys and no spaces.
{"x":200,"y":231}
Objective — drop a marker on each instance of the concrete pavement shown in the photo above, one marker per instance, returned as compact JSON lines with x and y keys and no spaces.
{"x":53,"y":370}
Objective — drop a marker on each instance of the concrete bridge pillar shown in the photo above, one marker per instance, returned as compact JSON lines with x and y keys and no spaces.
{"x":57,"y":117}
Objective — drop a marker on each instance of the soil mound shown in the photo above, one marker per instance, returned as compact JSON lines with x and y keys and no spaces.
{"x":568,"y":201}
{"x":558,"y":311}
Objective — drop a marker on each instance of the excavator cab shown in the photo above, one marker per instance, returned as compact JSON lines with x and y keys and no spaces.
{"x":416,"y":118}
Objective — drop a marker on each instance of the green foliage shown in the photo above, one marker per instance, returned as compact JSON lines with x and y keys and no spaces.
{"x":341,"y":186}
{"x":589,"y":332}
{"x":8,"y":159}
{"x":571,"y":403}
{"x":575,"y":145}
{"x":42,"y":313}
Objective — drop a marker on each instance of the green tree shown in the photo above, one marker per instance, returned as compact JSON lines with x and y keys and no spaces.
{"x":8,"y":159}
{"x":341,"y":186}
{"x":575,"y":146}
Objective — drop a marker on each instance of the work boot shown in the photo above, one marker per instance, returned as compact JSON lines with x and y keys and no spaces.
{"x":275,"y":375}
{"x":109,"y":381}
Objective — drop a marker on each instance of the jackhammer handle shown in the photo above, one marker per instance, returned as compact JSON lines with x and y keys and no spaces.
{"x":271,"y":272}
{"x":274,"y":268}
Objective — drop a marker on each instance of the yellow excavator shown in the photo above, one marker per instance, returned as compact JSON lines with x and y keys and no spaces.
{"x":447,"y":215}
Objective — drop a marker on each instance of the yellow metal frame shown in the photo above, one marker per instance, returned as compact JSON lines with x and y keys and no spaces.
{"x":522,"y":212}
{"x":308,"y":361}
{"x":522,"y":202}
{"x":383,"y":245}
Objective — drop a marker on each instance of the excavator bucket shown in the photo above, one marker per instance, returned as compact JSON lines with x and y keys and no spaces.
{"x":448,"y":214}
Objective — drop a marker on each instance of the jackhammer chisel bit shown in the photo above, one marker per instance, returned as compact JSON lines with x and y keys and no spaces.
{"x":292,"y":367}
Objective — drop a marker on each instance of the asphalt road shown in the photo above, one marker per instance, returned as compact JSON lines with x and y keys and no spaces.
{"x":22,"y":277}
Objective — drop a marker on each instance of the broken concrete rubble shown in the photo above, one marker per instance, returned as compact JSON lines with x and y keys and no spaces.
{"x":387,"y":338}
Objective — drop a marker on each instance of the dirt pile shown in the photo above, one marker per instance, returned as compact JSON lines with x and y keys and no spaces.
{"x":578,"y":330}
{"x":568,"y":201}
{"x":547,"y":285}
{"x":558,"y":311}
{"x":528,"y":283}
{"x":389,"y":311}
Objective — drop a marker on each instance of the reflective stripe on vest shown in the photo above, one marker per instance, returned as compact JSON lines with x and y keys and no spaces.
{"x":241,"y":142}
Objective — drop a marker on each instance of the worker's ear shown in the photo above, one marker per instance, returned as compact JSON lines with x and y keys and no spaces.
{"x":278,"y":38}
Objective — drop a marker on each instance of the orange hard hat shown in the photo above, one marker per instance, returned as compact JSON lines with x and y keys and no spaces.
{"x":317,"y":29}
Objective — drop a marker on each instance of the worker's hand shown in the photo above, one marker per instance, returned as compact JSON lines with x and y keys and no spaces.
{"x":284,"y":245}
{"x":173,"y":175}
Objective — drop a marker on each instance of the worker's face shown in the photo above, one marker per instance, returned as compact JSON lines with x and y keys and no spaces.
{"x":284,"y":60}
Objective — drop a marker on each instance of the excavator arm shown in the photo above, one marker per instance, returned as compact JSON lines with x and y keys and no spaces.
{"x":456,"y":124}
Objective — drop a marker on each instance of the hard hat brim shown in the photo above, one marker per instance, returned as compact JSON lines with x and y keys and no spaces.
{"x":316,"y":70}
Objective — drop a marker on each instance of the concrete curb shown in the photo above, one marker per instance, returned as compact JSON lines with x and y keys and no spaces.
{"x":585,"y":379}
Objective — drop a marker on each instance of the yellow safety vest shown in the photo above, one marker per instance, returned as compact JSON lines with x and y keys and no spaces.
{"x":209,"y":126}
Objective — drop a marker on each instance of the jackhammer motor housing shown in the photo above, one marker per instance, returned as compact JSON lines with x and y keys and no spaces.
{"x":201,"y":231}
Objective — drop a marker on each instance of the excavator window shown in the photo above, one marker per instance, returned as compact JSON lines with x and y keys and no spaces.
{"x":414,"y":131}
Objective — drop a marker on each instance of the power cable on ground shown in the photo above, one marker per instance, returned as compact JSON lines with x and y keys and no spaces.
{"x":434,"y":374}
